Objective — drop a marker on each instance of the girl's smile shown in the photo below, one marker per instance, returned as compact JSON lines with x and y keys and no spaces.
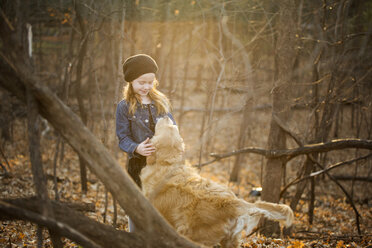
{"x":143,"y":84}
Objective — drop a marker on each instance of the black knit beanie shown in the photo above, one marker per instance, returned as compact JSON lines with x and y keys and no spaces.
{"x":138,"y":65}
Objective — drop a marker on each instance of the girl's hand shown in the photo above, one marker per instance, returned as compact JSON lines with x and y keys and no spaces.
{"x":145,"y":148}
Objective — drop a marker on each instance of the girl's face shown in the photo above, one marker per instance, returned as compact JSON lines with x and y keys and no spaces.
{"x":143,"y":84}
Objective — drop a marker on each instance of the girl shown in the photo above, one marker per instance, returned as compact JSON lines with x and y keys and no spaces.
{"x":138,"y":113}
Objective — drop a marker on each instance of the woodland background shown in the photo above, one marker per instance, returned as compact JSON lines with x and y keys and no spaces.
{"x":253,"y":84}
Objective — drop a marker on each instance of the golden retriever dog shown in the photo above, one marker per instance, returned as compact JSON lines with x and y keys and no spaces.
{"x":198,"y":208}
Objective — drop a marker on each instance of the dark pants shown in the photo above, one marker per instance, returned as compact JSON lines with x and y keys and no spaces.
{"x":135,"y":165}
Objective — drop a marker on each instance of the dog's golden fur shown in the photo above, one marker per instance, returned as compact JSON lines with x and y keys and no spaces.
{"x":200,"y":209}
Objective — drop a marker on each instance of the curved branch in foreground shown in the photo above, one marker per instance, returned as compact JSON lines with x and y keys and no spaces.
{"x":149,"y":223}
{"x":15,"y":75}
{"x":58,"y":227}
{"x":101,"y":234}
{"x":306,"y":149}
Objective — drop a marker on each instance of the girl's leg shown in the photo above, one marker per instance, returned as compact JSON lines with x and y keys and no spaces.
{"x":135,"y":166}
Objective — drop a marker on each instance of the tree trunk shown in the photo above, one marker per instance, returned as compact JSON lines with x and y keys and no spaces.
{"x":241,"y":142}
{"x":285,"y":54}
{"x":79,"y":91}
{"x":249,"y":95}
{"x":184,"y":81}
{"x":37,"y":166}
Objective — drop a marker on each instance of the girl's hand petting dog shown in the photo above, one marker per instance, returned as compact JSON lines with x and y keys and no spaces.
{"x":145,"y":148}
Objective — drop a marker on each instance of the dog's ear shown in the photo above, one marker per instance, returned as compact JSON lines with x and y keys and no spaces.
{"x":150,"y":160}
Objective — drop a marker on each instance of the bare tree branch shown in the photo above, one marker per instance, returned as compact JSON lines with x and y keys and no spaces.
{"x":350,"y":178}
{"x":306,"y":149}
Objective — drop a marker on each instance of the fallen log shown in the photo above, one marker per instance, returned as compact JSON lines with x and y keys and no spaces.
{"x":99,"y":233}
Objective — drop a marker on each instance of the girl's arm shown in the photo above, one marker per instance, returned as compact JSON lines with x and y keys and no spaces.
{"x":123,"y":131}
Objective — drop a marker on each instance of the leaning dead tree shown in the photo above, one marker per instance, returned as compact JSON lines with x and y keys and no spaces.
{"x":152,"y":229}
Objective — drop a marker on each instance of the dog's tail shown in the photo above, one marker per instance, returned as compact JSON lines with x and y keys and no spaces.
{"x":278,"y":212}
{"x":254,"y":211}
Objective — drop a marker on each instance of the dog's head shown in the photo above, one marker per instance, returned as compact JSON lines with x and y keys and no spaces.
{"x":168,"y":143}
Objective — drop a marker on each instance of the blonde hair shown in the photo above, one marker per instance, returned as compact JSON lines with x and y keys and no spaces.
{"x":162,"y":103}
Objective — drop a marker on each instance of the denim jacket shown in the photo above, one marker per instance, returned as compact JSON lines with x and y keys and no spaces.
{"x":134,"y":129}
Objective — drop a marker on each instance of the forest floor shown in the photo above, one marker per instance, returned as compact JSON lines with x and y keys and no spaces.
{"x":333,"y":226}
